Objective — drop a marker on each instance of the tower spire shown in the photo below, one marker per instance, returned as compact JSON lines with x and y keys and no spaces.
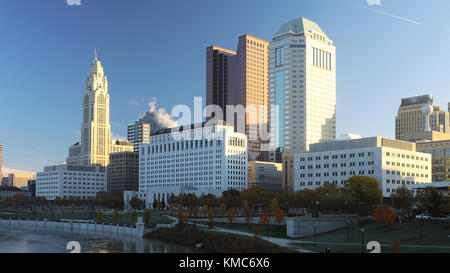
{"x":95,"y":55}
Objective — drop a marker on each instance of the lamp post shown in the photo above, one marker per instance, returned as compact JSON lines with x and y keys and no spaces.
{"x":315,"y":235}
{"x":362,"y":240}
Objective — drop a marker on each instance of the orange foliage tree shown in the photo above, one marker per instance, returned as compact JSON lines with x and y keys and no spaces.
{"x":384,"y":214}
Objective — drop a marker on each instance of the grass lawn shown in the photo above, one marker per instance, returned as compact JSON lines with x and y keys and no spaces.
{"x":434,"y":238}
{"x":214,"y":242}
{"x":124,"y":219}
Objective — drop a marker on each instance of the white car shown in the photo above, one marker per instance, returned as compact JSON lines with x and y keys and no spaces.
{"x":423,"y":217}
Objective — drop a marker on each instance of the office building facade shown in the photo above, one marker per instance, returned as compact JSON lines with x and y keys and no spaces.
{"x":266,"y":175}
{"x":393,"y":163}
{"x":205,"y":159}
{"x":123,"y":172}
{"x":65,"y":181}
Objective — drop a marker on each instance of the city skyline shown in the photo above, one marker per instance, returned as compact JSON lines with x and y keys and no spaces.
{"x":54,"y":95}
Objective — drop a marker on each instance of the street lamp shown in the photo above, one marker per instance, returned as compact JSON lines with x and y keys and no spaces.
{"x":315,"y":235}
{"x":362,"y":240}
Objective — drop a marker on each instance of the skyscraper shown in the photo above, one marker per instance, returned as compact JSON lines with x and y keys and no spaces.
{"x":96,"y":143}
{"x":410,"y":118}
{"x":241,"y":78}
{"x":302,"y":83}
{"x":218,"y":83}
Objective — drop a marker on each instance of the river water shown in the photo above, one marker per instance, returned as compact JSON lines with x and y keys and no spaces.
{"x":31,"y":240}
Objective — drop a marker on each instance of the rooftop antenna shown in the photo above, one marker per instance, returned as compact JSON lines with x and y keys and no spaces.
{"x":95,"y":54}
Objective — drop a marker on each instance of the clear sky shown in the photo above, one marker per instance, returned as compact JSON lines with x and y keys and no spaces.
{"x":157,"y":49}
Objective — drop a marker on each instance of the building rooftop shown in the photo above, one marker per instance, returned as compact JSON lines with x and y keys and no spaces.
{"x":368,"y":142}
{"x":417,"y":100}
{"x":299,"y":26}
{"x":189,"y":127}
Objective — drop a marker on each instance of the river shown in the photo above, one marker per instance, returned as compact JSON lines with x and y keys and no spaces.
{"x":30,"y":240}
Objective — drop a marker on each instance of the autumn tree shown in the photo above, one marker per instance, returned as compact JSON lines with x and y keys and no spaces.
{"x":384,"y":214}
{"x":211,"y":214}
{"x":273,"y":205}
{"x":279,"y":215}
{"x":231,"y":214}
{"x":116,"y":216}
{"x":247,"y":212}
{"x":136,"y":203}
{"x":365,"y":191}
{"x":180,"y":215}
{"x":402,"y":199}
{"x":205,"y":210}
{"x":147,"y":217}
{"x":430,"y":199}
{"x":99,"y":216}
{"x":223,"y":207}
{"x":133,"y":216}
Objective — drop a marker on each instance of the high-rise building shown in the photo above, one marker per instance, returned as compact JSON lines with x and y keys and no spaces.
{"x":96,"y":143}
{"x":241,"y":78}
{"x":218,"y":83}
{"x":19,"y":180}
{"x":123,"y":172}
{"x":302,"y":84}
{"x":410,"y":119}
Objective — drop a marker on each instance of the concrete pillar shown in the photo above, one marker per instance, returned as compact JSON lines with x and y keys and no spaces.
{"x":139,"y":227}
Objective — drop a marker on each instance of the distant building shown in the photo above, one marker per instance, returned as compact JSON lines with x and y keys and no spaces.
{"x":8,"y":192}
{"x":265,"y":174}
{"x":5,"y":182}
{"x":410,"y":118}
{"x":139,"y":130}
{"x":32,"y":187}
{"x":201,"y":159}
{"x":123,"y":172}
{"x":393,"y":163}
{"x":348,"y":136}
{"x":442,"y":186}
{"x":20,"y":179}
{"x":65,"y":181}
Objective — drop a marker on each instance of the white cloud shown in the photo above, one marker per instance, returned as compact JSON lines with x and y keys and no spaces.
{"x":374,"y":2}
{"x":73,"y":2}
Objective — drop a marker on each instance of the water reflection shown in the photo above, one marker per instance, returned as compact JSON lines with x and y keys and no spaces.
{"x":32,"y":240}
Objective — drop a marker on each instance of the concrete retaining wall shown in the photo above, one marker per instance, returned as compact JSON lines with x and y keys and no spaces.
{"x":78,"y":227}
{"x":303,"y":227}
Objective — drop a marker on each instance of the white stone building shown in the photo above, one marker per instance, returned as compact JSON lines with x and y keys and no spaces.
{"x":70,"y":181}
{"x":200,"y":159}
{"x":392,"y":162}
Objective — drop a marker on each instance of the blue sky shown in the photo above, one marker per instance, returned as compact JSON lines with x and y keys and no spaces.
{"x":157,"y":49}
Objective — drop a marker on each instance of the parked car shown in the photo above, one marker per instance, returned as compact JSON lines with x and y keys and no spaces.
{"x":423,"y":217}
